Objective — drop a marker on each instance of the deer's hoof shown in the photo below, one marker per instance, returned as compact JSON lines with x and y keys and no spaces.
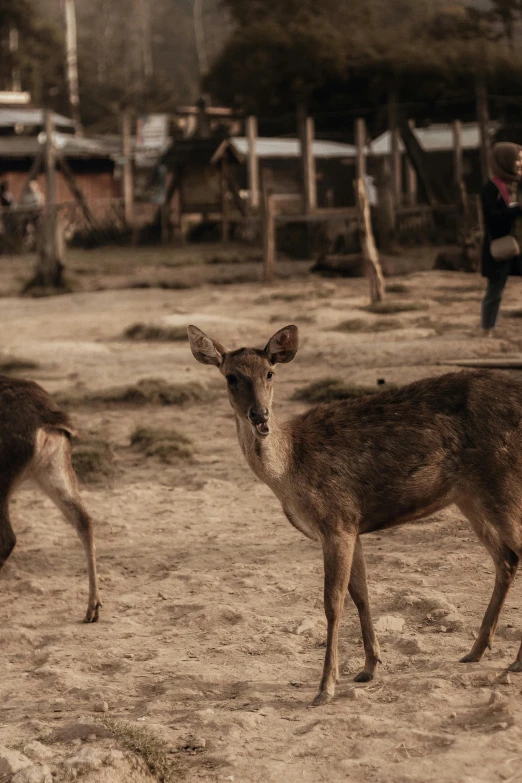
{"x":515,"y":667}
{"x":322,"y":698}
{"x":93,"y":614}
{"x":470,"y":658}
{"x":363,"y":676}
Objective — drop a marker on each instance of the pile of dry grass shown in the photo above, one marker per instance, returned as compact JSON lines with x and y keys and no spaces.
{"x":330,"y":389}
{"x":151,"y":332}
{"x":148,"y":391}
{"x":168,"y":445}
{"x":145,"y":743}
{"x":389,"y":308}
{"x":93,"y":459}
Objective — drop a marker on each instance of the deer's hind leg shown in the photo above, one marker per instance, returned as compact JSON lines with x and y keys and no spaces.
{"x":53,"y":471}
{"x":358,"y":589}
{"x":506,"y":563}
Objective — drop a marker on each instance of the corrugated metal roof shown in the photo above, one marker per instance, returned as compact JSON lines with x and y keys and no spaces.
{"x":9,"y":117}
{"x":435,"y":138}
{"x":290,"y":148}
{"x":71,"y":146}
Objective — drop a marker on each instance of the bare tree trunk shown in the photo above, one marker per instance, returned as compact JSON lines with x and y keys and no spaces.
{"x":72,"y":64}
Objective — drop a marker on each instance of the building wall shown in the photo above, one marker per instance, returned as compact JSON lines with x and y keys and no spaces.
{"x":98,"y":185}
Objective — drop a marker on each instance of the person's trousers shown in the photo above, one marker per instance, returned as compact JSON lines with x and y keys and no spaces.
{"x":492,"y":298}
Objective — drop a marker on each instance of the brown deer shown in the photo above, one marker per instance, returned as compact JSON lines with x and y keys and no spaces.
{"x":35,"y":443}
{"x":355,"y":466}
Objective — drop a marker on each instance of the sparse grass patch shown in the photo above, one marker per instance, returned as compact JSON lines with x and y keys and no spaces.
{"x":396,"y":288}
{"x":12,"y":364}
{"x":146,"y":744}
{"x":235,"y":277}
{"x":93,"y":459}
{"x":151,"y":391}
{"x":514,"y":313}
{"x":298,"y":319}
{"x":359,"y":325}
{"x":330,"y":389}
{"x":168,"y":445}
{"x":151,"y":332}
{"x":389,"y":308}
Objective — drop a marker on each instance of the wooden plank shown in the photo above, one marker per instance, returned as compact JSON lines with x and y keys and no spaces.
{"x":252,"y":163}
{"x":371,"y":257}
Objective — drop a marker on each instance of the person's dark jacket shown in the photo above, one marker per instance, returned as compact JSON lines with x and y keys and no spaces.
{"x":498,"y":222}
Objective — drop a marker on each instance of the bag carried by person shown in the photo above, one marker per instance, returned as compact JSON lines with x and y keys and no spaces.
{"x":504,"y":248}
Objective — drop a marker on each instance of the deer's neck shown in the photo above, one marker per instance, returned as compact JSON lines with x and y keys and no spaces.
{"x":268,"y":458}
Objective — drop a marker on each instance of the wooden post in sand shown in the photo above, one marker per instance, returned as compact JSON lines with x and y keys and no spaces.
{"x":371,"y":257}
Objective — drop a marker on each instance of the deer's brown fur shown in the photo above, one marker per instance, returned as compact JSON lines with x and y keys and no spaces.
{"x":35,"y":443}
{"x":350,"y":467}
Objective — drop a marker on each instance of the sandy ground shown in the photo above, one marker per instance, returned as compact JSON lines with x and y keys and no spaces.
{"x":212,"y":629}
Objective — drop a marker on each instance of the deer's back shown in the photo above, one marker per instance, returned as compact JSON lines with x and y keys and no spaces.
{"x":24,"y":409}
{"x":391,"y":454}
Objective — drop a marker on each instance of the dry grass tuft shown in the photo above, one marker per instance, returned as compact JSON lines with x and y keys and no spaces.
{"x":148,"y":391}
{"x":12,"y":364}
{"x":93,"y":459}
{"x":151,"y":332}
{"x":146,"y":744}
{"x":359,"y":325}
{"x":389,"y":308}
{"x":330,"y":389}
{"x":168,"y":445}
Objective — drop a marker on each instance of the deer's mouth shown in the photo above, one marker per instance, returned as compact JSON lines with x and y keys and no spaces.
{"x":262,"y":428}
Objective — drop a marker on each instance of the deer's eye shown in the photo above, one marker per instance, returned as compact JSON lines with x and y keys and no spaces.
{"x":270,"y":375}
{"x":231,"y":380}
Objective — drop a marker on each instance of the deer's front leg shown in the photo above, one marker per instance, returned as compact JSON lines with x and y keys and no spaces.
{"x":338,"y":549}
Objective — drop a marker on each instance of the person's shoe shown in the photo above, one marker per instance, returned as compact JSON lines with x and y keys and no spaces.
{"x":488,"y":333}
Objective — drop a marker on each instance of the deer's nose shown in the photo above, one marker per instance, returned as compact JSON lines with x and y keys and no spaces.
{"x":258,"y":415}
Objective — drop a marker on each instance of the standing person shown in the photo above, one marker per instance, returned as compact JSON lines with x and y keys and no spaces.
{"x":499,"y":213}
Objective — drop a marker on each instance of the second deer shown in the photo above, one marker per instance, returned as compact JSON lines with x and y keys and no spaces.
{"x":35,"y":443}
{"x":355,"y":466}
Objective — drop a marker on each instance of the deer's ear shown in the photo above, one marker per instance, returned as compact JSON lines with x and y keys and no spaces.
{"x":204,"y":349}
{"x":282,"y":346}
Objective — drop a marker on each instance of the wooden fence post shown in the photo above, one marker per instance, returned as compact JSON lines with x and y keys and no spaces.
{"x":360,"y":145}
{"x":252,"y":163}
{"x":411,"y":176}
{"x":128,"y":190}
{"x":371,"y":257}
{"x":395,"y":152}
{"x":269,"y":235}
{"x":306,"y":137}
